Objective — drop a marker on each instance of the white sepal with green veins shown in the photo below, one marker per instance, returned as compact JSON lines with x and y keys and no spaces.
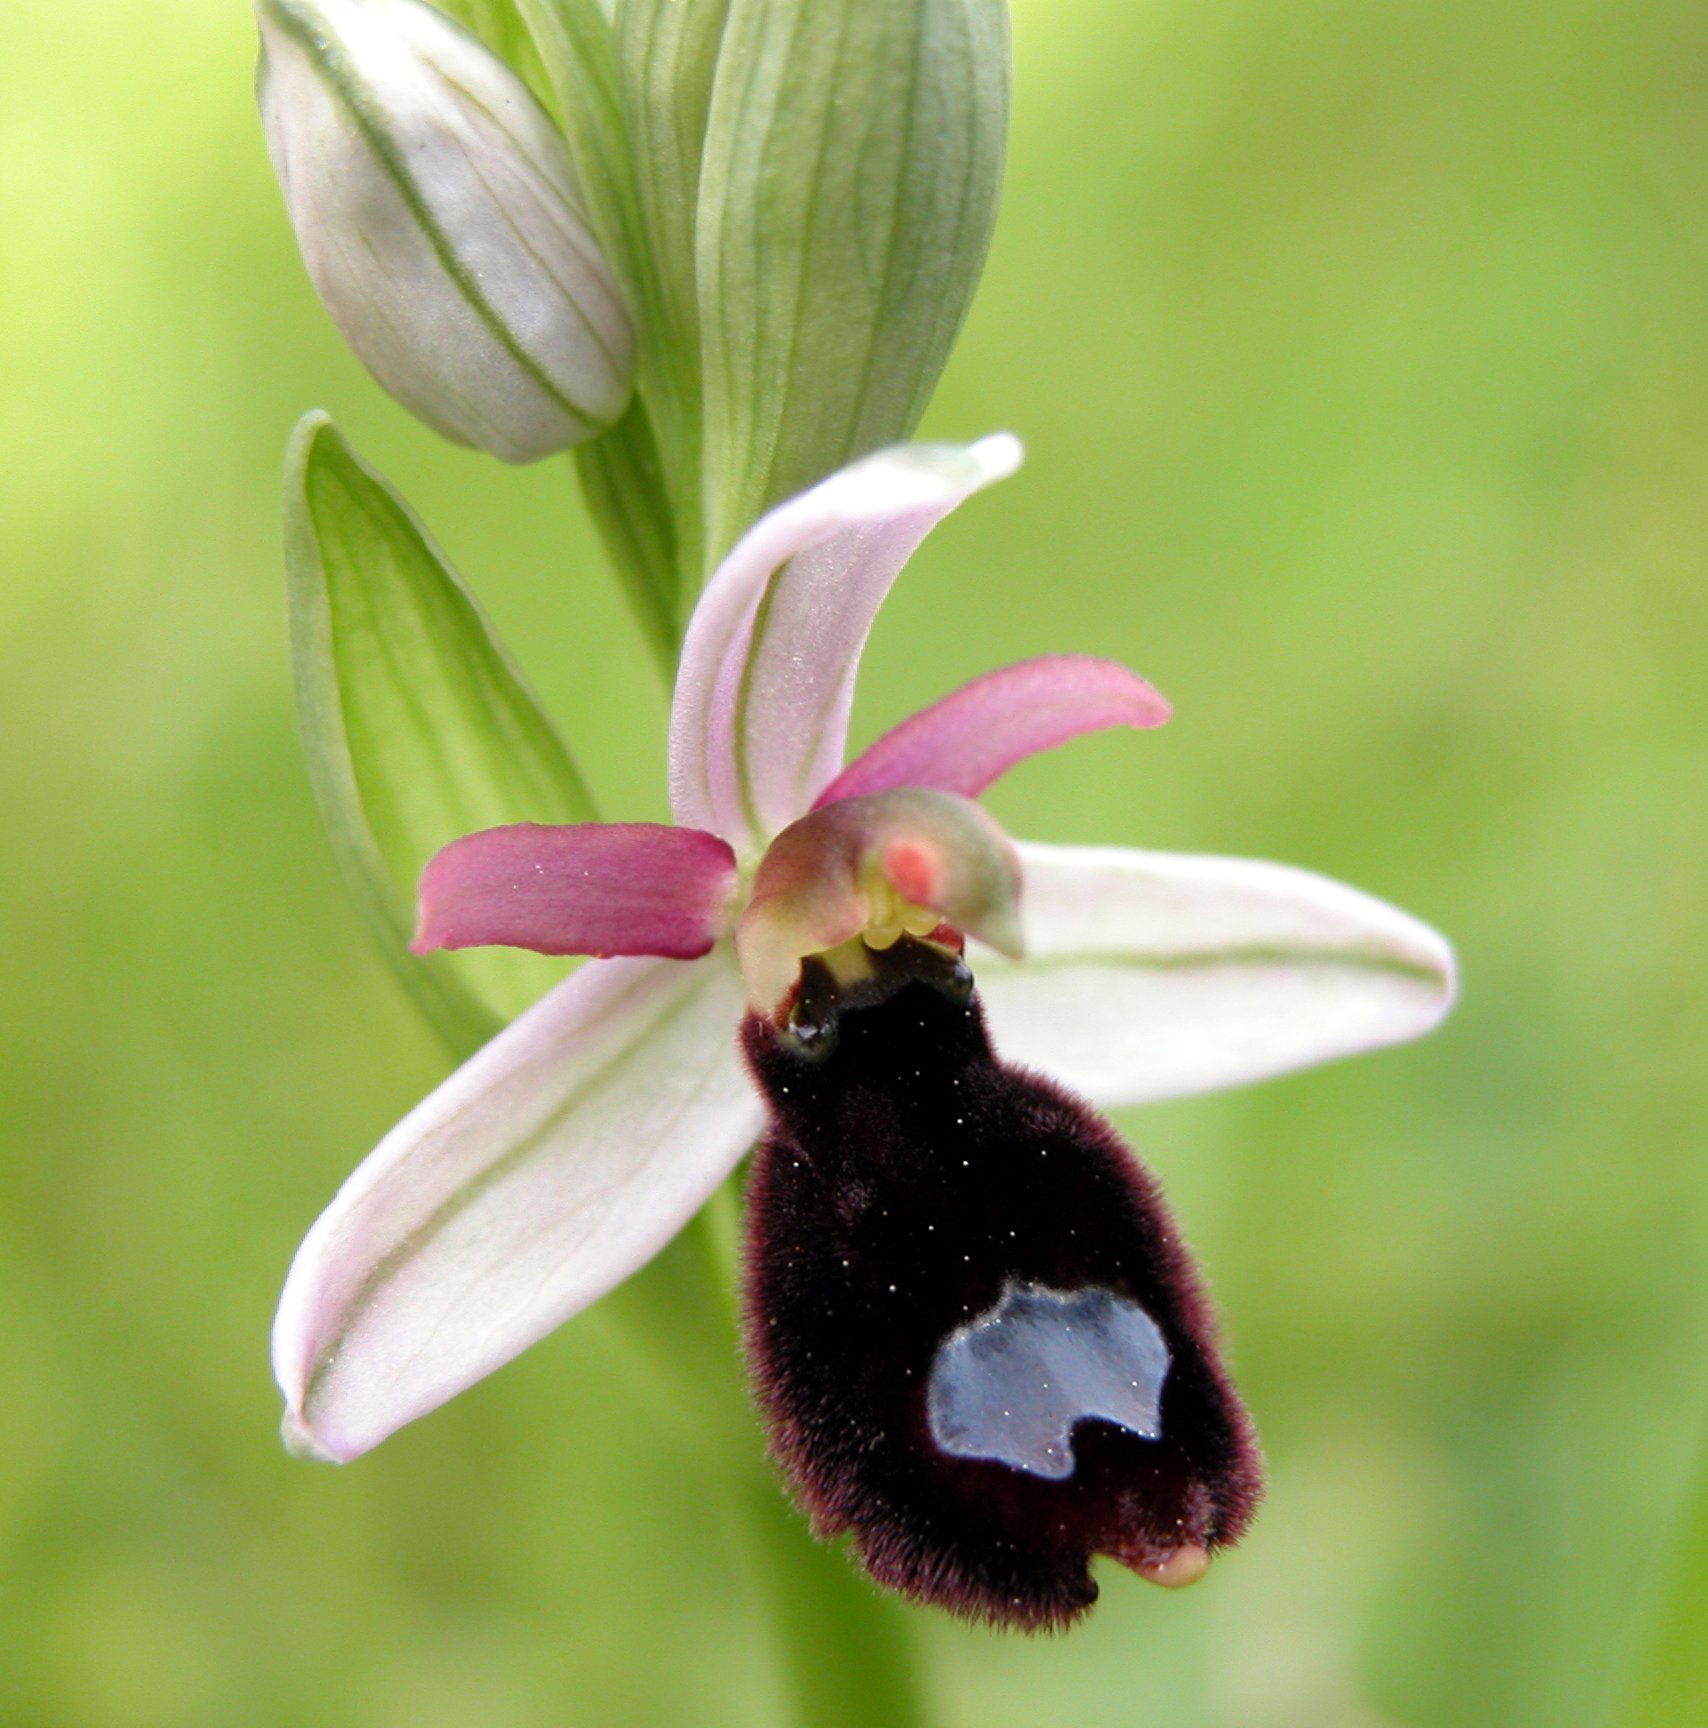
{"x":441,"y":220}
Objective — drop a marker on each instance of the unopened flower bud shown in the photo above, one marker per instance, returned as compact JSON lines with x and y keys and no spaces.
{"x":442,"y":223}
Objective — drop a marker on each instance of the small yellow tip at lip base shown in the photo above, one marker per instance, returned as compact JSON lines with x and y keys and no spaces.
{"x":1184,"y":1566}
{"x":299,"y":1443}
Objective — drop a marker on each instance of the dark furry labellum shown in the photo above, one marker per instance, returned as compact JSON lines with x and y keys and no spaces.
{"x":978,"y":1340}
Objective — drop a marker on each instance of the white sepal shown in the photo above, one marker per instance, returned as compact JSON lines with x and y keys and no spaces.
{"x":441,"y":222}
{"x":549,"y":1167}
{"x":1154,"y":974}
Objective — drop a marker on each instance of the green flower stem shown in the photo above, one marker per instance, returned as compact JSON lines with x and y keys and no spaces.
{"x":850,"y":1654}
{"x":1671,"y":1689}
{"x":847,"y":1653}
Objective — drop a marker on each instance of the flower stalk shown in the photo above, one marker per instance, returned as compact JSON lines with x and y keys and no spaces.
{"x":846,"y":1655}
{"x":850,"y":1657}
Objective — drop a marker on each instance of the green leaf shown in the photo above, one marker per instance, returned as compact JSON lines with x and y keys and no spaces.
{"x":1672,"y":1681}
{"x":851,"y":169}
{"x":416,"y":725}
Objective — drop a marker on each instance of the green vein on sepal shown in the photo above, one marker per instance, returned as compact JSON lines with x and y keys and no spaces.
{"x":353,"y":95}
{"x":500,"y":25}
{"x":1251,"y":954}
{"x":539,"y":1136}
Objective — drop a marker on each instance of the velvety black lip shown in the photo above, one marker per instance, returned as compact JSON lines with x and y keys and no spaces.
{"x":909,"y":1177}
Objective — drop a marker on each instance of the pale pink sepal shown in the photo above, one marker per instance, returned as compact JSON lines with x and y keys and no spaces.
{"x":1151,"y":975}
{"x":549,"y":1167}
{"x":583,"y":888}
{"x":767,"y":674}
{"x":974,"y":735}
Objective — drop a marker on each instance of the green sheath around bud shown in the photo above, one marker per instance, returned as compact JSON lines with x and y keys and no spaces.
{"x":848,"y":186}
{"x":440,"y":218}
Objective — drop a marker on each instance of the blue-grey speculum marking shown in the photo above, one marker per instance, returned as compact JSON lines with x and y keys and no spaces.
{"x":1010,"y":1384}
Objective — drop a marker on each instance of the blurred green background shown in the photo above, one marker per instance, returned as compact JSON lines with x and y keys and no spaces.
{"x":1361,"y":347}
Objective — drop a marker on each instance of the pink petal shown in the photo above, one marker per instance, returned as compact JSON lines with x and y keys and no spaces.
{"x":549,"y":1167}
{"x":977,"y":733}
{"x":767,"y":675}
{"x":586,"y":888}
{"x":1154,"y":974}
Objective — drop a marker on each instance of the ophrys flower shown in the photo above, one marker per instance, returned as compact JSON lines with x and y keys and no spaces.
{"x":570,"y":1149}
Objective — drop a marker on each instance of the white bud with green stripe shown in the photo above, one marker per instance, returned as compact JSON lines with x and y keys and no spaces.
{"x":442,"y":223}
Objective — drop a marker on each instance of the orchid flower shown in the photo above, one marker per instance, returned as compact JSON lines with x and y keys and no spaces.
{"x":570,"y":1149}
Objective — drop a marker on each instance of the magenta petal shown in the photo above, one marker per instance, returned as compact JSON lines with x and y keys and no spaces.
{"x":588,"y":888}
{"x":977,"y":733}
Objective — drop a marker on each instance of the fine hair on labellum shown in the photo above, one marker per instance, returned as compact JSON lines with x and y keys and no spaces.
{"x":976,"y":1336}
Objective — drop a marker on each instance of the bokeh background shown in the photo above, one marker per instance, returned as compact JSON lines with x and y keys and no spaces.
{"x":1361,"y":347}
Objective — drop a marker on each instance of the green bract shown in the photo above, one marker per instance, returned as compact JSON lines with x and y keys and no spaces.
{"x":416,"y":726}
{"x":442,"y":222}
{"x":501,"y":26}
{"x":848,"y":187}
{"x":799,"y":198}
